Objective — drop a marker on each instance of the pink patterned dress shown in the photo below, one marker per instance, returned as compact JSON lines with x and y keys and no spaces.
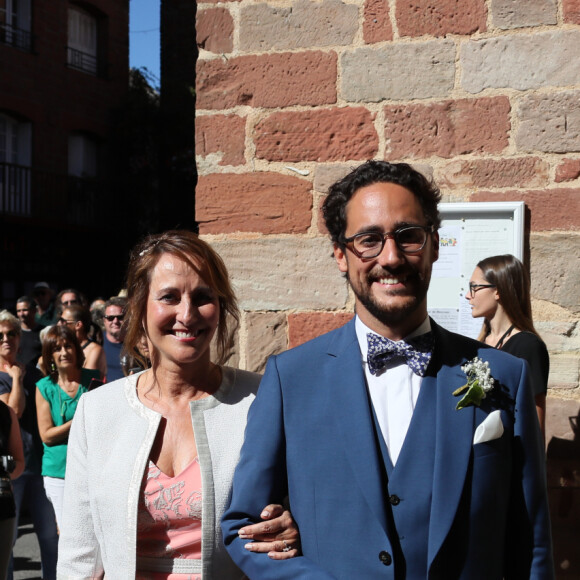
{"x":169,"y":524}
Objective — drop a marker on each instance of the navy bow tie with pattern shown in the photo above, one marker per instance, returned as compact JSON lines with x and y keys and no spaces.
{"x":416,"y":352}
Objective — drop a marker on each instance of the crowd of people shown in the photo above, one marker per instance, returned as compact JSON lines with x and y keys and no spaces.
{"x":51,"y":353}
{"x":353,"y":459}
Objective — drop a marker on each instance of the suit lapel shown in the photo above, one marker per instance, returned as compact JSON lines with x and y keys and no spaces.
{"x":454,"y":435}
{"x":354,"y":420}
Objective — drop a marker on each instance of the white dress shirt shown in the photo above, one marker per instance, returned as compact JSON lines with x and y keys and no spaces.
{"x":393,"y":391}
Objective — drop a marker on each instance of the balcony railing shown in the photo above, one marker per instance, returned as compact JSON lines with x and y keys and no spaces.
{"x":46,"y":196}
{"x":82,"y":61}
{"x":20,"y":39}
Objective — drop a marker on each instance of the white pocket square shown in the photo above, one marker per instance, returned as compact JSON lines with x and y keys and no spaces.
{"x":490,"y":429}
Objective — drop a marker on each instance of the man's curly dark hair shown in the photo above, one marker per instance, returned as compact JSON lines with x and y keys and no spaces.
{"x":339,"y":194}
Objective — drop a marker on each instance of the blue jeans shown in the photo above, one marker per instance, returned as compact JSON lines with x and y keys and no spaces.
{"x":29,"y":488}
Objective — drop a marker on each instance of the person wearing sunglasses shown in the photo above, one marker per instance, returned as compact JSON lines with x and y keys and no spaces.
{"x":18,"y":391}
{"x":499,"y":292}
{"x":113,"y":336}
{"x":57,"y":397}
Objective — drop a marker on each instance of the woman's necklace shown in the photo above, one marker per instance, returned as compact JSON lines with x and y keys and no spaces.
{"x":504,"y":336}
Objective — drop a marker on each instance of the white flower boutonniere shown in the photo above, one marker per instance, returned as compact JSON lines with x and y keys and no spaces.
{"x":479,"y":382}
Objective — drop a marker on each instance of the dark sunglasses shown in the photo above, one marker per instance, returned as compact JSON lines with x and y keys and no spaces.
{"x":7,"y":335}
{"x":112,"y":317}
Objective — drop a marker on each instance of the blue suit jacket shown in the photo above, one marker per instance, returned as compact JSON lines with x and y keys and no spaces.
{"x":311,"y":436}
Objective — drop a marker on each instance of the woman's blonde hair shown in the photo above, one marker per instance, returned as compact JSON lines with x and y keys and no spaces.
{"x":7,"y":317}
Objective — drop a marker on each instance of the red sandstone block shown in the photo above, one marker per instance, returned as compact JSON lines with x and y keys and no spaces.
{"x":321,"y":135}
{"x":568,"y":170}
{"x":304,"y":326}
{"x":440,"y":17}
{"x":223,"y":134}
{"x":215,"y":30}
{"x":550,"y":209}
{"x":269,"y":80}
{"x":265,"y":202}
{"x":571,"y":11}
{"x":377,"y":24}
{"x":447,"y":128}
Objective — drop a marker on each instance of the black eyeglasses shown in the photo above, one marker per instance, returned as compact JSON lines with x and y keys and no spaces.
{"x":7,"y":335}
{"x":473,"y":288}
{"x":111,"y":317}
{"x":409,"y":239}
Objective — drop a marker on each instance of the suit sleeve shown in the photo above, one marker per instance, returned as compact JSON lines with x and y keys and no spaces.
{"x":529,"y":532}
{"x":260,"y":479}
{"x":78,"y":547}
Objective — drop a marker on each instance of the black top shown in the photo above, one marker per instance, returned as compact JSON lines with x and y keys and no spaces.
{"x":30,"y":347}
{"x":7,"y":507}
{"x":531,"y":348}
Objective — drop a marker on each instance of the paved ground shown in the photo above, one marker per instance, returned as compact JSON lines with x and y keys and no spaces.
{"x":26,"y":553}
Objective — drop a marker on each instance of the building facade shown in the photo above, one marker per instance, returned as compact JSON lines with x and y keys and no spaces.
{"x":64,"y":70}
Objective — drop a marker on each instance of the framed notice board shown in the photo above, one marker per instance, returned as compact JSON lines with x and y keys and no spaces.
{"x":470,"y":232}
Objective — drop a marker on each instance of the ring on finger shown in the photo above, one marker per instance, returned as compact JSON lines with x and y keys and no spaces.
{"x":287,"y":547}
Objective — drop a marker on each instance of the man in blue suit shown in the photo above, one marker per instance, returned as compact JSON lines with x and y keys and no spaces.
{"x":385,"y":476}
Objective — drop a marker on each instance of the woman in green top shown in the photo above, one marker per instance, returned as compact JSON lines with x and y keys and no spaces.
{"x":57,"y":397}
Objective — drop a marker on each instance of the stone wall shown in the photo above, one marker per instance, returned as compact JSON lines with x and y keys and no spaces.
{"x":482,"y":95}
{"x":290,"y":95}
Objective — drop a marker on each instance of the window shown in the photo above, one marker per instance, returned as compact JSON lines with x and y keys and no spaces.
{"x":15,"y":157}
{"x":82,"y":156}
{"x":15,"y":24}
{"x":82,"y":40}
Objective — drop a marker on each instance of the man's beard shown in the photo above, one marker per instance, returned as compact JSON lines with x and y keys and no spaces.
{"x":117,"y":334}
{"x":392,"y":314}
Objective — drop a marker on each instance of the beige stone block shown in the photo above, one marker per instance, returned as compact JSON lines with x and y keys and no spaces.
{"x":266,"y":335}
{"x":385,"y":73}
{"x":550,"y":122}
{"x":507,"y":14}
{"x":554,"y":271}
{"x":326,"y":175}
{"x":284,"y":273}
{"x":304,"y":24}
{"x":560,"y":336}
{"x":522,"y":62}
{"x":564,"y":371}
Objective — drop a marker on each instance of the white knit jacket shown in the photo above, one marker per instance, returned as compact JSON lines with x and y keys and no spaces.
{"x":109,"y":447}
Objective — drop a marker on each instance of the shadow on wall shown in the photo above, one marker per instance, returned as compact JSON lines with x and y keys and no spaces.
{"x":563,"y":469}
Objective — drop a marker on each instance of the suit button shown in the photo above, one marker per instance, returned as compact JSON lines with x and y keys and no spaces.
{"x":394,"y":499}
{"x":385,"y":558}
